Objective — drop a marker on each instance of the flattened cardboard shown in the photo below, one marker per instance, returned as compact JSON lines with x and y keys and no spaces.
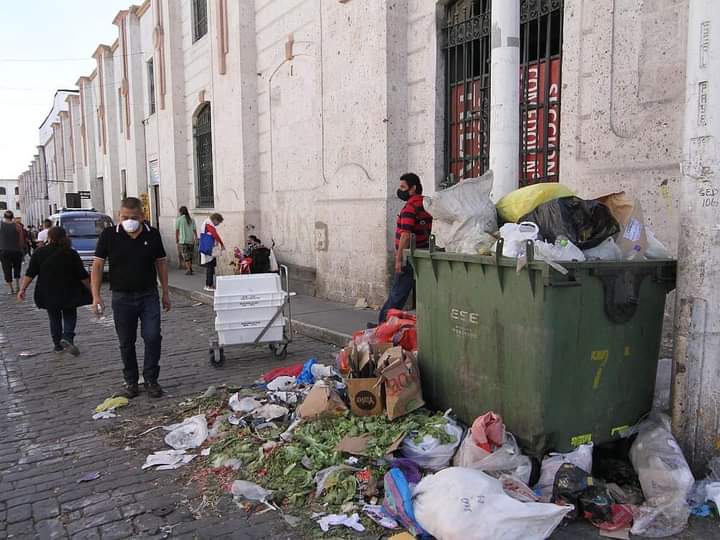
{"x":366,"y":396}
{"x":320,"y":401}
{"x":357,"y":446}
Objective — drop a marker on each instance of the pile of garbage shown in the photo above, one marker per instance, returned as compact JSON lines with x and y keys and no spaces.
{"x":559,"y":225}
{"x":352,"y":445}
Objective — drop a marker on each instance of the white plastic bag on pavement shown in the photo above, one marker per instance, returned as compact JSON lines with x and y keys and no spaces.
{"x":331,"y":520}
{"x":270,"y":412}
{"x":515,"y":235}
{"x":282,"y":383}
{"x":166,"y":460}
{"x":607,"y":250}
{"x":506,"y":459}
{"x":249,"y":490}
{"x":458,"y":503}
{"x":463,"y":215}
{"x":190,"y":433}
{"x":430,"y":454}
{"x":580,"y":457}
{"x":244,"y":405}
{"x":665,"y":478}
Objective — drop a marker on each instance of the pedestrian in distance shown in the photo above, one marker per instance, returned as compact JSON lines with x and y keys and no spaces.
{"x":185,"y":235}
{"x":11,"y":251}
{"x":208,"y":256}
{"x":412,"y":220}
{"x":137,"y":259}
{"x":24,"y":237}
{"x":62,"y":286}
{"x":43,"y":235}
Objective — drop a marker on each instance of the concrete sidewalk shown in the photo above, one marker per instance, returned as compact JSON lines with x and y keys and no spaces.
{"x":331,"y":322}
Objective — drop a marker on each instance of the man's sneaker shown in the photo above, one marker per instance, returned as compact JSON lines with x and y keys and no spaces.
{"x":130,"y":391}
{"x":209,"y":289}
{"x":58,"y":348}
{"x":70,"y":347}
{"x":154,"y":390}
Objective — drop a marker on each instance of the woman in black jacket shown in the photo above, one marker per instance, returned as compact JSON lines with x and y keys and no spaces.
{"x":63,"y":284}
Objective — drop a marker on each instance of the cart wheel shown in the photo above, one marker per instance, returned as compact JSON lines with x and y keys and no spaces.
{"x":217,"y":356}
{"x":279,"y":351}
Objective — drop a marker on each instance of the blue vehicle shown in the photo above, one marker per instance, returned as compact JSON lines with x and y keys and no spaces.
{"x":83,"y":227}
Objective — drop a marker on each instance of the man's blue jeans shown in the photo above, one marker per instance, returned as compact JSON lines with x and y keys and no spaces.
{"x":399,"y":293}
{"x":128,"y":309}
{"x":62,"y":324}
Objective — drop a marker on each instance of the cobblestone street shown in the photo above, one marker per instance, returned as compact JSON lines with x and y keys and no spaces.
{"x":48,"y":439}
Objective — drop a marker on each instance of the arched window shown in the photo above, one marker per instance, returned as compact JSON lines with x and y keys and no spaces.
{"x":204,"y":158}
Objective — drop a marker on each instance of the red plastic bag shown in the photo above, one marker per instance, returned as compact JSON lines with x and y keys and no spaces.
{"x":288,"y":371}
{"x":406,"y":338}
{"x":488,"y":431}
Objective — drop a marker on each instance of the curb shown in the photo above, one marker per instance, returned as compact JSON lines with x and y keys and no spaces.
{"x":308,"y":330}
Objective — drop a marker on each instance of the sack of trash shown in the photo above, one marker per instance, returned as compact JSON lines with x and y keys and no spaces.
{"x":464,"y":216}
{"x":430,"y":453}
{"x":515,"y":235}
{"x":520,"y":202}
{"x":584,"y":223}
{"x":581,"y":457}
{"x":190,"y":433}
{"x":665,"y":478}
{"x":489,"y":447}
{"x":458,"y":503}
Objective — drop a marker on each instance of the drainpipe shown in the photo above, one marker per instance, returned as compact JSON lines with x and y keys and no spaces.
{"x":505,"y":97}
{"x":696,"y":358}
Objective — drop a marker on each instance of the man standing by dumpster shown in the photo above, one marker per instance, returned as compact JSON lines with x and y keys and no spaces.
{"x":412,"y":220}
{"x":137,"y":258}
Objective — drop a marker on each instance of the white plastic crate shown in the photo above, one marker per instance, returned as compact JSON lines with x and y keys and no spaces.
{"x":239,"y":301}
{"x":244,"y":333}
{"x":247,"y":284}
{"x":247,"y":314}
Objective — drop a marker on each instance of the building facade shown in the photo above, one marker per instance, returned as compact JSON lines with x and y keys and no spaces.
{"x":295,"y":119}
{"x":10,"y":197}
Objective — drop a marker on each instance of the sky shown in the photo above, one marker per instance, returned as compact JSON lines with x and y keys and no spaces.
{"x":45,"y":45}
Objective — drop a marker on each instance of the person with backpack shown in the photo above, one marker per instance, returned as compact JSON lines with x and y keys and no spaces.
{"x":11,"y":251}
{"x":210,"y":245}
{"x":185,"y":235}
{"x":62,"y":286}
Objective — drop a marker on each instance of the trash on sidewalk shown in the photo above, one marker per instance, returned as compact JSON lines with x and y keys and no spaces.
{"x":581,"y":457}
{"x":190,"y":433}
{"x":244,"y":405}
{"x":401,"y":380}
{"x":270,"y":412}
{"x":166,"y":460}
{"x":506,"y":458}
{"x":112,"y":403}
{"x":474,"y":505}
{"x":398,"y":501}
{"x":289,"y":371}
{"x":433,"y":452}
{"x":464,"y":216}
{"x":334,"y":520}
{"x":665,"y":478}
{"x":379,"y":516}
{"x":243,"y":489}
{"x":105,"y":415}
{"x":27,"y":354}
{"x":88,"y":477}
{"x":321,"y":401}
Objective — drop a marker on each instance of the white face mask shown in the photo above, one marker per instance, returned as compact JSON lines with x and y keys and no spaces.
{"x":131,"y":225}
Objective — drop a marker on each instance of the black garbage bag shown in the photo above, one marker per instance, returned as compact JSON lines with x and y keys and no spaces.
{"x":570,"y":483}
{"x":585,"y":223}
{"x":596,"y":504}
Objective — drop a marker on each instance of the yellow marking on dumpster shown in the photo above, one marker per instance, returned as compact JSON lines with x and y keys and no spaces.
{"x":618,"y":430}
{"x":627,"y":351}
{"x":600,"y":356}
{"x":577,"y":440}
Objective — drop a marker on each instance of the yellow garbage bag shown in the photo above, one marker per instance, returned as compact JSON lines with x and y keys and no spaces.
{"x":522,"y":201}
{"x":112,"y":403}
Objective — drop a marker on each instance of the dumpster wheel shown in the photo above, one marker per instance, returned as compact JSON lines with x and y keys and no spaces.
{"x":216,"y":355}
{"x":279,"y":350}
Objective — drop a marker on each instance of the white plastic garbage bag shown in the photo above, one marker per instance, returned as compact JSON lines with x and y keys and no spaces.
{"x":166,"y":460}
{"x":665,"y":478}
{"x":506,"y":459}
{"x":190,"y":433}
{"x":244,"y":405}
{"x":464,"y":215}
{"x":249,"y":490}
{"x":607,"y":250}
{"x":562,"y":250}
{"x":580,"y":457}
{"x":515,"y":235}
{"x":655,"y":248}
{"x":430,"y":453}
{"x":282,"y":383}
{"x":458,"y":503}
{"x":270,"y":412}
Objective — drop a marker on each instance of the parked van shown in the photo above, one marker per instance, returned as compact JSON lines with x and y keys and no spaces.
{"x":83,"y":227}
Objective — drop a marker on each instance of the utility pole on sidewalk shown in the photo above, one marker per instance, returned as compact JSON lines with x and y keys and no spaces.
{"x":504,"y":97}
{"x":696,"y":358}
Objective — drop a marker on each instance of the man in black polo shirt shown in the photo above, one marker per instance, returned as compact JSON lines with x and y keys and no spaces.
{"x":137,"y":258}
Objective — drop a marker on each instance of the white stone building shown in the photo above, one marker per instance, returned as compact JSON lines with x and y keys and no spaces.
{"x":294,"y":119}
{"x":10,"y":197}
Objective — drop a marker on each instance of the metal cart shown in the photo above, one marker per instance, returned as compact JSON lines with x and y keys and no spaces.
{"x":264,"y":331}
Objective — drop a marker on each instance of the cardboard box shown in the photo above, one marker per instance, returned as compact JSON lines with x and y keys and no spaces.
{"x":320,"y":402}
{"x":401,"y":381}
{"x":357,"y":446}
{"x":366,"y":396}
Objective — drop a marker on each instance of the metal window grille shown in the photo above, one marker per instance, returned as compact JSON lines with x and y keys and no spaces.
{"x":203,"y":159}
{"x":540,"y":85}
{"x":467,"y":71}
{"x":466,"y":46}
{"x":199,"y":18}
{"x":151,"y":86}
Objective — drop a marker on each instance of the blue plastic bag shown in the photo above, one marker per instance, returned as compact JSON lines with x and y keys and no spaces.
{"x":207,"y":242}
{"x":306,"y":376}
{"x":398,"y":502}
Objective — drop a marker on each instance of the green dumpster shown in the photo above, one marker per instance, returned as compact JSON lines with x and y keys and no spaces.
{"x":566,"y":359}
